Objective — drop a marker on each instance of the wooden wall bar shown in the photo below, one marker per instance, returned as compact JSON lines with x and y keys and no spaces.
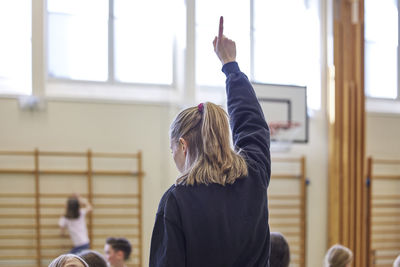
{"x":347,"y":213}
{"x":287,"y":208}
{"x":32,"y":238}
{"x":384,"y":210}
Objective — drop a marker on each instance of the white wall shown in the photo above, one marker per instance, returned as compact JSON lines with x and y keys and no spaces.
{"x":316,"y":153}
{"x":383,"y":135}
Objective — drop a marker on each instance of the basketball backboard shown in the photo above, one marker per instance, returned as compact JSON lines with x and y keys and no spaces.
{"x":285,"y":104}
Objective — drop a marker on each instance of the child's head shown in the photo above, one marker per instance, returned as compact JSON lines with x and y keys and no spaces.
{"x":68,"y":260}
{"x":117,"y":250}
{"x":200,"y":144}
{"x":72,"y":208}
{"x":280,"y":252}
{"x":338,"y":256}
{"x":93,"y":258}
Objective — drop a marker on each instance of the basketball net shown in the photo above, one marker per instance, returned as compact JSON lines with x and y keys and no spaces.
{"x":283,"y":135}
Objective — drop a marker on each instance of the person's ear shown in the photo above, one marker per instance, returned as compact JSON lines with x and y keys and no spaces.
{"x":183,"y":145}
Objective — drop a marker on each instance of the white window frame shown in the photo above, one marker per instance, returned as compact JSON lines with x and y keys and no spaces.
{"x":385,"y":105}
{"x":183,"y":91}
{"x":112,"y":90}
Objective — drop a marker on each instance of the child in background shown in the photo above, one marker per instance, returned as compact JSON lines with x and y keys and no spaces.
{"x":280,"y":252}
{"x":68,"y":260}
{"x":74,"y":220}
{"x":93,"y":258}
{"x":338,"y":256}
{"x":117,"y":251}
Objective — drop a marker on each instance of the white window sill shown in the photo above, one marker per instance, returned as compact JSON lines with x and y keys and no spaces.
{"x":98,"y":92}
{"x":382,"y":106}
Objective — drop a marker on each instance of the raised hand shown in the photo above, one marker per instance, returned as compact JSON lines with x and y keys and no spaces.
{"x":224,"y":47}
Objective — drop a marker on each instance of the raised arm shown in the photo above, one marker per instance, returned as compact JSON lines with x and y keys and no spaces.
{"x":250,"y":131}
{"x":84,"y":202}
{"x":224,"y":47}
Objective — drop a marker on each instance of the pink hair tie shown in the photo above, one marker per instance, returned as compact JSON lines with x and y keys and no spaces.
{"x":200,"y":107}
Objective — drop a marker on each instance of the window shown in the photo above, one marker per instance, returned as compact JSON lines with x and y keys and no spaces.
{"x":288,"y":54}
{"x":144,"y":34}
{"x":123,"y":49}
{"x":117,"y":41}
{"x":381,"y":49}
{"x":15,"y":47}
{"x":77,"y":39}
{"x":285,"y":54}
{"x":236,"y":27}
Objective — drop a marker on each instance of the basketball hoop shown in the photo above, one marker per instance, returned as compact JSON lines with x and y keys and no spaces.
{"x":283,"y":134}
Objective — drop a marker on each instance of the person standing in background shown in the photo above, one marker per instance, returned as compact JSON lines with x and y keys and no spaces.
{"x":74,"y":220}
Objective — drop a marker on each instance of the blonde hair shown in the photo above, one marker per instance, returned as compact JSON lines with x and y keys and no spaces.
{"x":338,"y":256}
{"x":61,"y":260}
{"x":209,"y":158}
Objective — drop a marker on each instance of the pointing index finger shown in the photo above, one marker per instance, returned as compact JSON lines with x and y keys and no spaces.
{"x":221,"y":27}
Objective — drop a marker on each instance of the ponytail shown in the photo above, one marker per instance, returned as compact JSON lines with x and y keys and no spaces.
{"x":210,"y":158}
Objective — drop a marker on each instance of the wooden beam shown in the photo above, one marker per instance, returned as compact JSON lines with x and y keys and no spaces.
{"x":347,"y":213}
{"x":140,"y":202}
{"x":303,"y":208}
{"x":37,"y":204}
{"x":90,"y":193}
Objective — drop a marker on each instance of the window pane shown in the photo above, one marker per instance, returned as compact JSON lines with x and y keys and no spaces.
{"x":290,"y":53}
{"x":79,"y":7}
{"x":15,"y":47}
{"x":236,"y":27}
{"x":381,"y":70}
{"x":77,"y":44}
{"x":143,"y":42}
{"x":381,"y":48}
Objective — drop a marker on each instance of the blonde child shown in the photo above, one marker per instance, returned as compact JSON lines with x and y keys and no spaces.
{"x":338,"y":256}
{"x":216,"y":214}
{"x":68,"y":260}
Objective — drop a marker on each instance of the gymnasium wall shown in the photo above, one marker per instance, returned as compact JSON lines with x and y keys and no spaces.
{"x":383,"y":135}
{"x":116,"y":127}
{"x":68,"y":126}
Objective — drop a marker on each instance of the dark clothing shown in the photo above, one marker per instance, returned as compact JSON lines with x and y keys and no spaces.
{"x":221,"y":226}
{"x":80,"y":248}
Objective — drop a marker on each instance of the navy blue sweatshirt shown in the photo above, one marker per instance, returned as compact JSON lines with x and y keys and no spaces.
{"x":221,"y":226}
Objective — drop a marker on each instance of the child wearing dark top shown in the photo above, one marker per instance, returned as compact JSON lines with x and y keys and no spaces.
{"x":217,"y":212}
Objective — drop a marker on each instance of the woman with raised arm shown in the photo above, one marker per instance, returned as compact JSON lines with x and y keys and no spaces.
{"x":217,"y":212}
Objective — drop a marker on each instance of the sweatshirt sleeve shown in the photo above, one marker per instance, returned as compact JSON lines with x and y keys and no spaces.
{"x":167,"y":242}
{"x":250,"y":131}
